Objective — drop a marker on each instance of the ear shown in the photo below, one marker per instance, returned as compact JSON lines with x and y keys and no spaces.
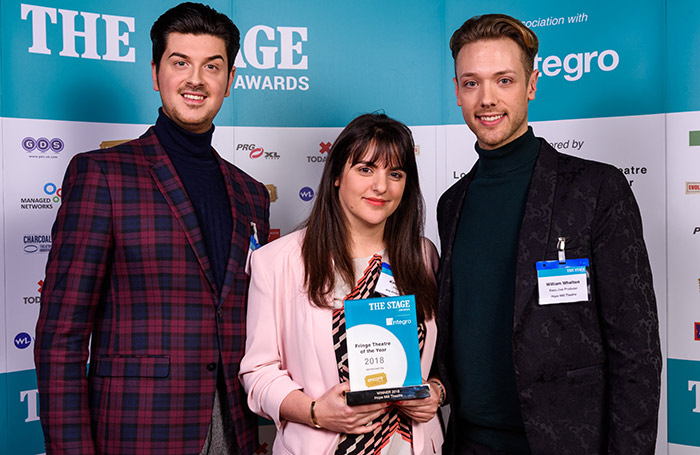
{"x":454,"y":79}
{"x":532,"y":85}
{"x":154,"y":75}
{"x":230,"y":81}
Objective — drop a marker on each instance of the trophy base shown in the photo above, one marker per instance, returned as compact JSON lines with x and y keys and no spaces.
{"x":413,"y":392}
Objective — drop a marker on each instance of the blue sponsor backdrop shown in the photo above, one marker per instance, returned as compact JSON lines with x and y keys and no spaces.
{"x":345,"y":59}
{"x":324,"y":63}
{"x":634,"y":30}
{"x":683,"y":402}
{"x":319,"y":64}
{"x":362,"y":56}
{"x":52,"y":86}
{"x":682,"y":53}
{"x":3,"y":413}
{"x":24,"y":434}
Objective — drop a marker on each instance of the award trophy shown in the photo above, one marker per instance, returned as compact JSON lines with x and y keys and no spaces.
{"x":383,"y":352}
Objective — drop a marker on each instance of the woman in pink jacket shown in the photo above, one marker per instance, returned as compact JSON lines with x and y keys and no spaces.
{"x":368,"y":210}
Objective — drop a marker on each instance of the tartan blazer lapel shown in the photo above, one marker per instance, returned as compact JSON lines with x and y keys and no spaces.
{"x":172,"y":189}
{"x":240,"y":234}
{"x":535,"y":228}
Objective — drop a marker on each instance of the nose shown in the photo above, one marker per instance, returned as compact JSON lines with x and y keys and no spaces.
{"x":195,"y":77}
{"x":380,"y":180}
{"x":488,"y":95}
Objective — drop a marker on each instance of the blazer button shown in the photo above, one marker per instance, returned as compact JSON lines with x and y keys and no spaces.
{"x":211,"y":366}
{"x":219,"y":314}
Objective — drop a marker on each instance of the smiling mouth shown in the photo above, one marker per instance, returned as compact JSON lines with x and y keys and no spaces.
{"x":376,"y":202}
{"x":192,"y":97}
{"x":490,"y":118}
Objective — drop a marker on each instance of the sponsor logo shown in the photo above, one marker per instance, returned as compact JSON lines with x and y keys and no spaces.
{"x":272,"y":189}
{"x":278,"y":51}
{"x":113,"y":30}
{"x":376,"y":379}
{"x":692,"y":187}
{"x":23,"y":340}
{"x":697,"y":331}
{"x":325,"y":147}
{"x":306,"y":194}
{"x":274,"y":235}
{"x":34,"y":243}
{"x":255,"y":152}
{"x":575,"y":65}
{"x":38,"y":148}
{"x":392,"y":321}
{"x":51,"y":196}
{"x":31,"y":300}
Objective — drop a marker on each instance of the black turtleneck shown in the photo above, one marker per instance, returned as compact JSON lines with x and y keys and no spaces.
{"x":198,"y":168}
{"x":483,"y":273}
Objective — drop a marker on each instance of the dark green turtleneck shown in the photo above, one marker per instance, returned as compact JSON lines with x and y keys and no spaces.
{"x":483,"y":276}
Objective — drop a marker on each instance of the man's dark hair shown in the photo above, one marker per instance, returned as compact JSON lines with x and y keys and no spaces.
{"x":497,"y":26}
{"x":194,"y":19}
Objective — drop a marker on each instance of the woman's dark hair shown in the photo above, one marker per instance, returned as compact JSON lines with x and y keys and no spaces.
{"x":325,"y":249}
{"x":194,"y":19}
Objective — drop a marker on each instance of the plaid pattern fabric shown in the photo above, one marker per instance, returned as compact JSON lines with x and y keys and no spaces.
{"x":128,"y":268}
{"x":392,"y":421}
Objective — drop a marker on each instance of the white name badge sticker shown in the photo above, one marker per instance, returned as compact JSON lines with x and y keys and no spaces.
{"x":563,"y":282}
{"x":385,"y":284}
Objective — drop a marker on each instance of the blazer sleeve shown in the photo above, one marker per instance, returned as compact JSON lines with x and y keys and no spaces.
{"x":75,"y":275}
{"x":629,"y":321}
{"x":262,"y":370}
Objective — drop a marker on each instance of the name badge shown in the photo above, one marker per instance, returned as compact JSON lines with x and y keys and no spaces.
{"x":563,"y":282}
{"x":386,"y":285}
{"x":253,"y":245}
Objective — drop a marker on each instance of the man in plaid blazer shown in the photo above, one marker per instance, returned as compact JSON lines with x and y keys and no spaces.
{"x":148,"y":261}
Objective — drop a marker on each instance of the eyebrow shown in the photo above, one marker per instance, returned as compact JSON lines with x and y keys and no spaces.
{"x":374,"y":164}
{"x":497,"y":73}
{"x":209,"y":59}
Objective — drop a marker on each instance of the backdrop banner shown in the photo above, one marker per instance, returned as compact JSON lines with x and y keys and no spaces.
{"x":616,"y":85}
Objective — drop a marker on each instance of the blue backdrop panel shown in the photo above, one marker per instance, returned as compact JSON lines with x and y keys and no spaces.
{"x":683,"y":48}
{"x":24,"y":433}
{"x":340,"y":61}
{"x":683,"y":402}
{"x":85,"y":87}
{"x":567,"y":31}
{"x":361,"y":56}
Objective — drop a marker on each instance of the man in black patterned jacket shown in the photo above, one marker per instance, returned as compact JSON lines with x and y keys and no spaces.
{"x":548,"y":332}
